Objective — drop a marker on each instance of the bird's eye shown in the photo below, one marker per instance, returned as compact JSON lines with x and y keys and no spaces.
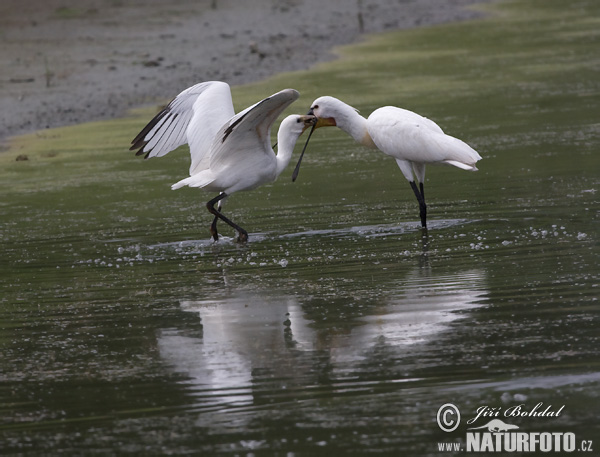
{"x":298,"y":120}
{"x":315,"y":107}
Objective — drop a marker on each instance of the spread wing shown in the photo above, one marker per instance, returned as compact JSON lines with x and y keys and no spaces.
{"x":194,"y":117}
{"x":249,"y":132}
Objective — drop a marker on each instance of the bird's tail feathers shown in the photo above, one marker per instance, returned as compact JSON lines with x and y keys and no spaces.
{"x":463,"y":166}
{"x":198,"y":180}
{"x":462,"y":155}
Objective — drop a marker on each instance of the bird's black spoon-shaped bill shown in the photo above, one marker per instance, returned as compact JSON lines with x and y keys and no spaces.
{"x":297,"y":169}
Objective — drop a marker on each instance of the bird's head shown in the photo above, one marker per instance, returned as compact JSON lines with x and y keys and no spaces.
{"x":307,"y":121}
{"x":328,"y":110}
{"x":295,"y":125}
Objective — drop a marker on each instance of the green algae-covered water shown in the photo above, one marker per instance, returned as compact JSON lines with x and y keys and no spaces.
{"x":340,"y":328}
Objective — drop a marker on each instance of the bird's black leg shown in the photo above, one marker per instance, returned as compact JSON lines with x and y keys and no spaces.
{"x":243,"y":235}
{"x":213,"y":226}
{"x":213,"y":229}
{"x":423,"y":209}
{"x":422,"y":205}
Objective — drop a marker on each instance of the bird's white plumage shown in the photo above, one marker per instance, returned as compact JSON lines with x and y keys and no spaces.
{"x":193,"y":117}
{"x":212,"y":109}
{"x":225,"y":147}
{"x":408,"y":136}
{"x":413,"y":140}
{"x":229,"y":152}
{"x":240,"y":156}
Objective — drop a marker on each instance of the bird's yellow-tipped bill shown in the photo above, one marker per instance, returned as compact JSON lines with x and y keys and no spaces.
{"x":325,"y":122}
{"x":322,"y":121}
{"x":309,"y":121}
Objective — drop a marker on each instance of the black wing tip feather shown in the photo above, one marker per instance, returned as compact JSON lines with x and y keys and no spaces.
{"x":230,"y":129}
{"x":151,"y":124}
{"x":138,"y":144}
{"x":139,"y":147}
{"x":139,"y":141}
{"x":141,"y":151}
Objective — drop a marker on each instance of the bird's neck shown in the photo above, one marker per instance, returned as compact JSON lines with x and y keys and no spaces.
{"x":354,"y":125}
{"x":285,"y":148}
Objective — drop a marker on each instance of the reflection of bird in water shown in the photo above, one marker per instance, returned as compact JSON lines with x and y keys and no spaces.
{"x":229,"y":152}
{"x":255,"y":345}
{"x":413,"y":140}
{"x":419,"y":309}
{"x":249,"y":340}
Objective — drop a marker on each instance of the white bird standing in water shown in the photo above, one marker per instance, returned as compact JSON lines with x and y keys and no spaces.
{"x":413,"y":140}
{"x":229,"y":152}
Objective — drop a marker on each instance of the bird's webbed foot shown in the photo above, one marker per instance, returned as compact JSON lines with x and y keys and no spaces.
{"x":243,"y":237}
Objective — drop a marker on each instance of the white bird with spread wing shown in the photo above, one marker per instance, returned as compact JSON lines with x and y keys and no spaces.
{"x":229,"y":152}
{"x":413,"y":140}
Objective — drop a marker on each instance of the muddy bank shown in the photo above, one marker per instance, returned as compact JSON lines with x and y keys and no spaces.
{"x":70,"y":61}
